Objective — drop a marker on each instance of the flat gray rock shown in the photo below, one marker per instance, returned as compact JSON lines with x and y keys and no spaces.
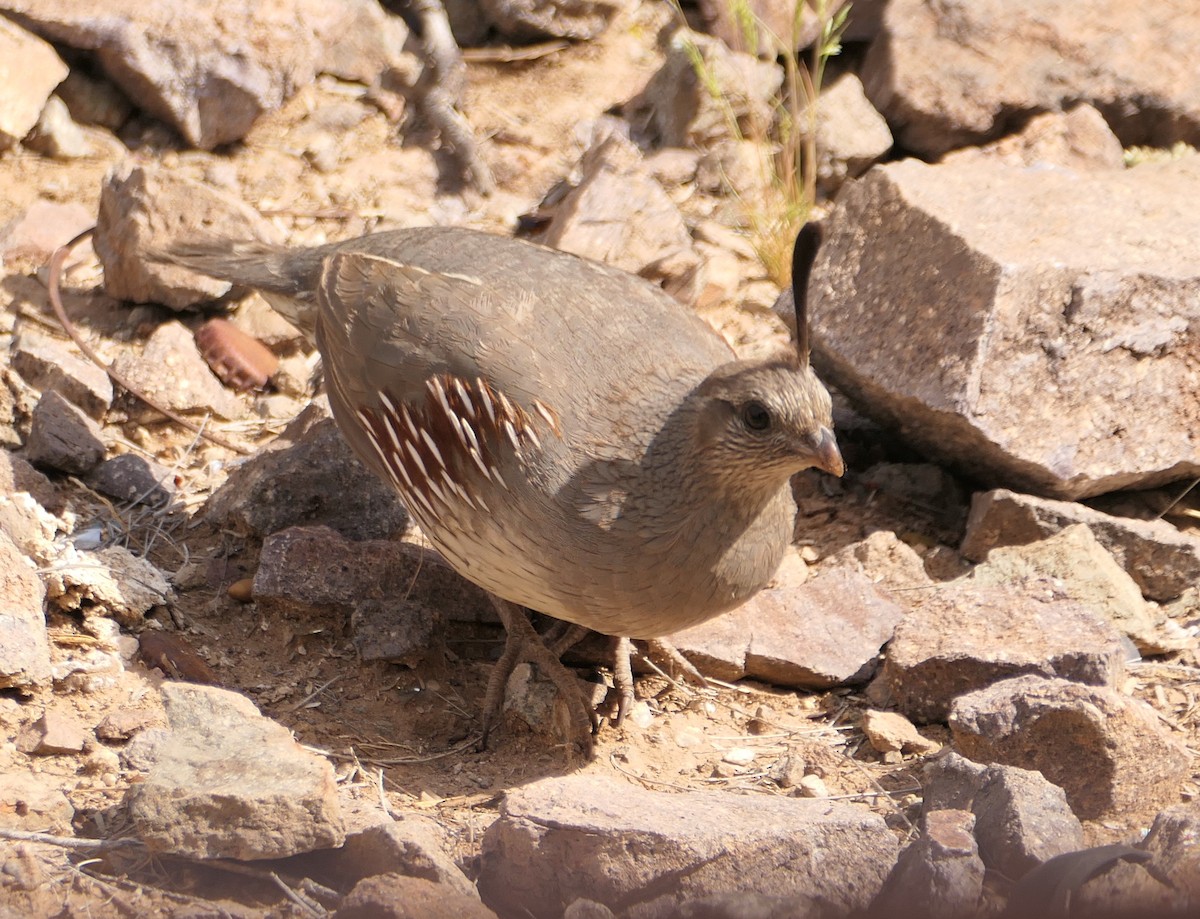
{"x":1162,"y":560}
{"x":1106,"y":750}
{"x":965,"y":637}
{"x":643,"y":852}
{"x":1013,"y":323}
{"x":307,"y":477}
{"x":953,"y":74}
{"x":63,"y":437}
{"x":228,"y":783}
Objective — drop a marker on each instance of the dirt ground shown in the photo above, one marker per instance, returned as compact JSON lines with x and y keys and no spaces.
{"x":401,"y":734}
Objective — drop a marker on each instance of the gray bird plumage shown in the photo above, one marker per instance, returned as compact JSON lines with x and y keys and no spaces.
{"x":640,"y":471}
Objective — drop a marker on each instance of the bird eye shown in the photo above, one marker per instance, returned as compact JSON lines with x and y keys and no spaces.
{"x":756,"y":416}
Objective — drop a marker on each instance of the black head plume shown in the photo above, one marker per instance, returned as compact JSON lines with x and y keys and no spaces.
{"x":808,"y":241}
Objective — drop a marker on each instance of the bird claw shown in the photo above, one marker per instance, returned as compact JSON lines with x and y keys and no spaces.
{"x":523,"y":644}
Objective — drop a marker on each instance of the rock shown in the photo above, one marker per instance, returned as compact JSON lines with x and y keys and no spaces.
{"x":414,"y":846}
{"x":62,"y":437}
{"x":397,"y":896}
{"x":229,"y":783}
{"x":95,"y":101}
{"x":175,"y":656}
{"x":30,"y":527}
{"x":1072,"y":295}
{"x":536,"y":20}
{"x":850,"y":134}
{"x":121,"y":725}
{"x":1127,"y":888}
{"x":48,"y":364}
{"x":1106,"y":750}
{"x":560,"y":839}
{"x":55,"y":135}
{"x":1163,"y":561}
{"x":587,"y":909}
{"x":891,"y":732}
{"x":618,"y":214}
{"x":136,"y":479}
{"x":952,"y":75}
{"x":211,"y":68}
{"x":1054,"y":888}
{"x":1021,"y":819}
{"x":24,"y":647}
{"x":941,"y":870}
{"x":1076,"y":139}
{"x":397,"y":595}
{"x":17,"y":475}
{"x":679,"y":107}
{"x":1174,"y":844}
{"x":32,"y":237}
{"x":963,"y":638}
{"x":28,"y":802}
{"x":885,"y":559}
{"x":31,"y":71}
{"x":109,"y":582}
{"x":53,"y":734}
{"x":772,"y":28}
{"x":825,"y":633}
{"x":171,"y":371}
{"x":922,"y":493}
{"x":308,"y":477}
{"x":146,"y":209}
{"x":1073,"y":565}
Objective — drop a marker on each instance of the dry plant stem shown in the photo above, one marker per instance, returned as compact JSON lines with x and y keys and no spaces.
{"x":71,"y":842}
{"x":53,"y":283}
{"x":524,"y":644}
{"x":442,"y":85}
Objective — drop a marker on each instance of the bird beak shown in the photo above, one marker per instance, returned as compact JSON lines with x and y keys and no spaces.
{"x":828,"y":456}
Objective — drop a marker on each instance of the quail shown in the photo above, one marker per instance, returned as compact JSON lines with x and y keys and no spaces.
{"x":568,"y":436}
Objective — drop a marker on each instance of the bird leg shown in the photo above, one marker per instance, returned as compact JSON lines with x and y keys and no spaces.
{"x":664,"y":654}
{"x":522,"y":643}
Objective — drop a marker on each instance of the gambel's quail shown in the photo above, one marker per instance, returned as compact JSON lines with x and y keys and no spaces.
{"x":569,"y":437}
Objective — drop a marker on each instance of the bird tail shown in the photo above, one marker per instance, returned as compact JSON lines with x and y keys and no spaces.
{"x":285,"y":277}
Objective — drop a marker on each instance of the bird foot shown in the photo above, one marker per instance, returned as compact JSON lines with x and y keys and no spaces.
{"x":523,"y":644}
{"x":658,"y":651}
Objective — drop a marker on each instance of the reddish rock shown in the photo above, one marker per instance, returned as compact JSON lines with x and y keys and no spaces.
{"x":1107,"y":751}
{"x":824,"y":633}
{"x":1163,"y":561}
{"x":1073,"y":296}
{"x":952,"y":74}
{"x":587,"y":836}
{"x":963,"y":638}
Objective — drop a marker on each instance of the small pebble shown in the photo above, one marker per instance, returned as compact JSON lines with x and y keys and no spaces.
{"x":739,"y":756}
{"x":813,"y":786}
{"x":242,"y":591}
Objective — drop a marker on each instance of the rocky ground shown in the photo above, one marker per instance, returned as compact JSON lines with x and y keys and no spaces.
{"x":233,"y":682}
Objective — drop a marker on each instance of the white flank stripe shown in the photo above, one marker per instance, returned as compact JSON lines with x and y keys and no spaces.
{"x":412,"y":451}
{"x":511,"y":433}
{"x":465,"y":396}
{"x":437,"y":454}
